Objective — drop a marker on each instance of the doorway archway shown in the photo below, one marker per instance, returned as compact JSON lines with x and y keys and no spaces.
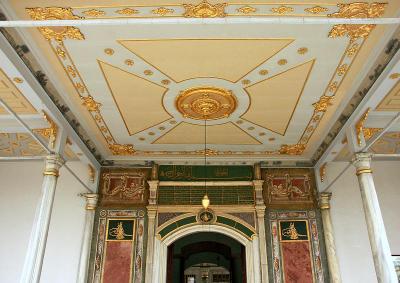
{"x":251,"y":246}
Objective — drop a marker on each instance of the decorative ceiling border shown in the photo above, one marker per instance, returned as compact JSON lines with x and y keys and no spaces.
{"x":356,"y":34}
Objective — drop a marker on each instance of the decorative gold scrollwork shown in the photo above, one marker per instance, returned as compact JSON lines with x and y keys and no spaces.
{"x":205,"y":10}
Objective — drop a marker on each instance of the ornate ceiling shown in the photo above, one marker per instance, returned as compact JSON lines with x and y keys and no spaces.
{"x":143,"y":91}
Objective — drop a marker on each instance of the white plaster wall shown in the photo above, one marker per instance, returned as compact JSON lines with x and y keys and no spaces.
{"x":19,"y":194}
{"x":353,"y":249}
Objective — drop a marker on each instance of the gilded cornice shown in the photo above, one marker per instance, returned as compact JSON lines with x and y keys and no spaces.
{"x":356,"y":10}
{"x":293,"y":149}
{"x":122,"y":149}
{"x":56,"y":13}
{"x":90,"y":104}
{"x":205,"y":10}
{"x":323,"y":103}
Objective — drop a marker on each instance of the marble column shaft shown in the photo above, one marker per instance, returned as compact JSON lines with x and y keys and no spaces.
{"x":151,"y":214}
{"x":37,"y":244}
{"x":333,"y":264}
{"x":91,"y":204}
{"x":383,"y":262}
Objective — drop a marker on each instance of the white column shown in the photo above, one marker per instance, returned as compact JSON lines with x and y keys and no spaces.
{"x":91,"y":204}
{"x":37,"y":244}
{"x":333,"y":265}
{"x":260,"y":212}
{"x":256,"y":260}
{"x":383,"y":262}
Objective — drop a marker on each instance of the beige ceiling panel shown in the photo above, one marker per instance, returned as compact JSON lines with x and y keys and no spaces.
{"x":139,"y":101}
{"x":183,"y":59}
{"x":227,"y":133}
{"x":391,"y":102}
{"x":274,"y":100}
{"x":13,"y":97}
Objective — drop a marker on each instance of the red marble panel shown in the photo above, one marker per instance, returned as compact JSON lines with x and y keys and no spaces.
{"x":117,"y":263}
{"x":297,"y":264}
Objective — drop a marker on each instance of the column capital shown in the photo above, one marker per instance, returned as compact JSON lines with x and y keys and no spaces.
{"x":260,"y":210}
{"x":258,"y":183}
{"x":362,"y":162}
{"x":151,"y":211}
{"x":91,"y":200}
{"x":324,"y":200}
{"x":153,"y":183}
{"x":53,"y":164}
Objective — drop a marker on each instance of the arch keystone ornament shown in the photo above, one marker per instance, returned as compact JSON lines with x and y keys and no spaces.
{"x":209,"y":103}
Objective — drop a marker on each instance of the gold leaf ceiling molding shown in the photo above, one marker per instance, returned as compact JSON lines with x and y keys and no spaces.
{"x":205,"y":9}
{"x":56,"y":40}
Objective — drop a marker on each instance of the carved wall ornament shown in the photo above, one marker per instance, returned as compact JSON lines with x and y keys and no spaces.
{"x":121,"y":149}
{"x":356,"y":10}
{"x":90,"y":103}
{"x":207,"y":152}
{"x":162,"y":11}
{"x":206,"y":103}
{"x":125,"y":187}
{"x":342,"y":69}
{"x":282,"y":10}
{"x":56,"y":13}
{"x":246,"y":10}
{"x":51,"y":132}
{"x":323,"y":103}
{"x":316,"y":10}
{"x":360,"y":126}
{"x":127,"y":11}
{"x":94,"y":13}
{"x":353,"y":50}
{"x":302,"y":50}
{"x":205,"y":10}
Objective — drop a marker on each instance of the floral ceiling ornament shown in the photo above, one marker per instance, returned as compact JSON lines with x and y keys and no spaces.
{"x":246,"y":10}
{"x":356,"y":10}
{"x":94,"y":13}
{"x":370,"y":132}
{"x":127,"y":11}
{"x":162,"y":11}
{"x":282,"y":10}
{"x":56,"y":13}
{"x":205,"y":10}
{"x":323,"y":103}
{"x":50,"y":132}
{"x":121,"y":149}
{"x":91,"y":104}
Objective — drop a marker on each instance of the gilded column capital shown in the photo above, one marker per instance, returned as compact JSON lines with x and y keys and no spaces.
{"x":258,"y":188}
{"x":260,"y":210}
{"x":324,"y":200}
{"x":258,"y":184}
{"x":53,"y":164}
{"x":362,"y":162}
{"x":153,"y":187}
{"x":151,"y":211}
{"x":91,"y":201}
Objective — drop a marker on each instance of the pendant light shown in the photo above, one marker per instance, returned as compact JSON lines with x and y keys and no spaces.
{"x":205,"y":201}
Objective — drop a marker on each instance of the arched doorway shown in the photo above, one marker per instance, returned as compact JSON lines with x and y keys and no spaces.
{"x":251,"y":246}
{"x":206,"y":257}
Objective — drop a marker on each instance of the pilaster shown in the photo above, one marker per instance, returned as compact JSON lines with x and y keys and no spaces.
{"x":384,"y":267}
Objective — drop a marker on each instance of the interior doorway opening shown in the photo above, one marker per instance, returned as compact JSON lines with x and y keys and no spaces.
{"x":206,"y":257}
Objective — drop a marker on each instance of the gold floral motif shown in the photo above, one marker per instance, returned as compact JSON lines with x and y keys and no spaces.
{"x":162,"y":11}
{"x":370,"y":132}
{"x":360,"y":126}
{"x":282,"y":62}
{"x":18,"y":80}
{"x":56,"y":13}
{"x":94,"y":13}
{"x":333,"y":87}
{"x":148,"y":72}
{"x":263,"y":72}
{"x":121,"y":149}
{"x":342,"y":69}
{"x":323,"y":103}
{"x":302,"y":50}
{"x":316,"y":10}
{"x":129,"y":62}
{"x":293,"y":149}
{"x":60,"y":52}
{"x":282,"y":10}
{"x":80,"y":87}
{"x":165,"y":82}
{"x":205,"y":10}
{"x":90,"y":104}
{"x":246,"y":10}
{"x":352,"y":50}
{"x":127,"y":11}
{"x":246,"y":82}
{"x":322,"y":172}
{"x":71,"y":71}
{"x":109,"y":51}
{"x":394,"y":76}
{"x":356,"y":10}
{"x":50,"y":132}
